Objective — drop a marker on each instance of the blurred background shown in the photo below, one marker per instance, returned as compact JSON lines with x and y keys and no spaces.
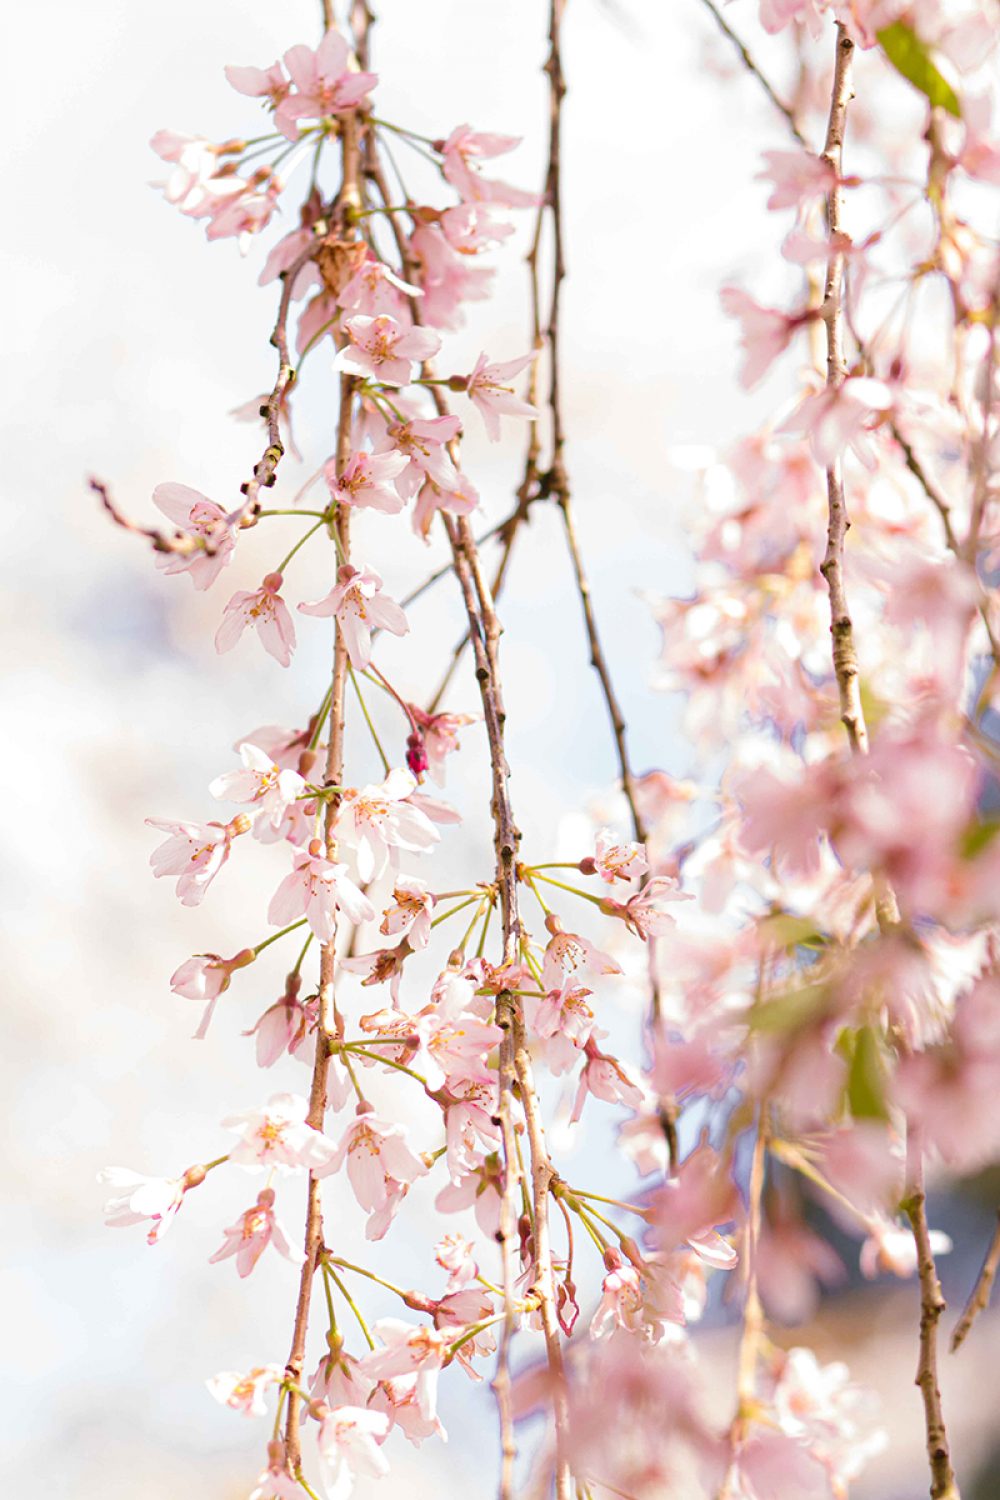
{"x":129,"y":343}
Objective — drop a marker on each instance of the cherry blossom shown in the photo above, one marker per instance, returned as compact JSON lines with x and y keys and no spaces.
{"x":617,"y":861}
{"x":205,"y":977}
{"x":348,"y":1446}
{"x":317,"y":888}
{"x":253,"y":1231}
{"x":409,"y":1350}
{"x":487,"y":389}
{"x":262,"y":782}
{"x":463,"y":152}
{"x":140,"y":1197}
{"x":357,"y":602}
{"x":194,"y":852}
{"x":202,"y":520}
{"x":278,"y":1136}
{"x":409,"y":915}
{"x":377,"y":1157}
{"x":382,"y":819}
{"x":267,"y":612}
{"x":245,"y":1393}
{"x":323,"y":83}
{"x":366,"y":482}
{"x":384,"y":348}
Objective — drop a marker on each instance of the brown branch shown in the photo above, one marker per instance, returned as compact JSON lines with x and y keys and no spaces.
{"x":348,"y":201}
{"x":266,"y":469}
{"x":177,"y":542}
{"x":845,"y":659}
{"x":484,"y":634}
{"x":979,"y":1297}
{"x":932,"y":1305}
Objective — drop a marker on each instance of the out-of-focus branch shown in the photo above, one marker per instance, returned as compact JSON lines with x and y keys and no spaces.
{"x":753,"y":69}
{"x":979,"y":1297}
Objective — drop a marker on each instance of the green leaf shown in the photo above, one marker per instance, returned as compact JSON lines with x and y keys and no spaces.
{"x":910,"y":57}
{"x":866,"y":1077}
{"x":789,"y":1011}
{"x":978,"y":837}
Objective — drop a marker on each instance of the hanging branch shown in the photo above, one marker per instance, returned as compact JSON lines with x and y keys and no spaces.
{"x":932,"y":1306}
{"x":845,"y":657}
{"x":349,"y":199}
{"x":979,"y":1297}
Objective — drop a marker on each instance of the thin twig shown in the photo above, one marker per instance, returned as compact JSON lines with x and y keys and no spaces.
{"x":348,"y":198}
{"x":845,"y":658}
{"x":932,"y":1305}
{"x":979,"y":1297}
{"x":752,"y":68}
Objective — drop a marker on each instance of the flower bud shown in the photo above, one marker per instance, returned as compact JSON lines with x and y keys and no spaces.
{"x":194,"y":1177}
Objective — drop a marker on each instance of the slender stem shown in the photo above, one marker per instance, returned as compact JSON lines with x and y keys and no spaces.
{"x":349,"y":198}
{"x":932,"y":1305}
{"x":266,"y":942}
{"x":979,"y":1297}
{"x":754,"y":70}
{"x":368,"y":720}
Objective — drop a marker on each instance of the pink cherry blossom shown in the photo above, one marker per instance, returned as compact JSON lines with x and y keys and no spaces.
{"x":194,"y":852}
{"x":423,"y":442}
{"x":375,"y":288}
{"x":286,"y":1026}
{"x":384,"y":348}
{"x":198,"y":517}
{"x":317,"y":888}
{"x":377,"y":1157}
{"x":409,"y":915}
{"x":447,"y":278}
{"x":456,"y":1255}
{"x":278,"y":1136}
{"x":607,"y":1079}
{"x":487,"y":390}
{"x":439,"y":733}
{"x":470,"y":227}
{"x":349,"y":1445}
{"x":253,"y":1231}
{"x":477,"y":1188}
{"x":798,"y":178}
{"x":463,"y":151}
{"x":460,"y":500}
{"x":409,"y":1350}
{"x":565,"y":1022}
{"x":259,"y":83}
{"x":139,"y":1197}
{"x":840,"y":417}
{"x":614,"y":860}
{"x":568,"y":954}
{"x":205,"y":977}
{"x":324,"y":83}
{"x":367,"y":482}
{"x":265,"y":609}
{"x":620,"y":1305}
{"x":245,"y":1393}
{"x":357,"y":602}
{"x":380,"y":820}
{"x":263,"y":783}
{"x":766,"y":332}
{"x":645,"y":913}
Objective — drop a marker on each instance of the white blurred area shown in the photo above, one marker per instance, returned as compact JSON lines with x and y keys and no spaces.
{"x":129,"y":340}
